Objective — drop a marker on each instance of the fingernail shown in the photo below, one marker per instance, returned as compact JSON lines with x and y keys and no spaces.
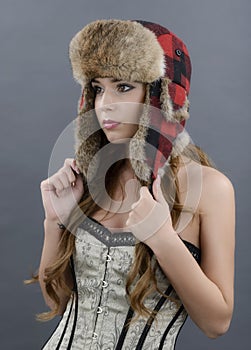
{"x":76,"y":169}
{"x":75,"y":166}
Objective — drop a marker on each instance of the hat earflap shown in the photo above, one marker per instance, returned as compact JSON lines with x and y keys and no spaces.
{"x":166,"y":104}
{"x":183,"y":139}
{"x":87,"y":131}
{"x":174,"y":135}
{"x":183,"y":112}
{"x":180,"y":115}
{"x":138,"y":142}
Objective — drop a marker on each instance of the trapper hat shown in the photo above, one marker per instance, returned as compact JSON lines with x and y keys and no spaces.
{"x":134,"y":51}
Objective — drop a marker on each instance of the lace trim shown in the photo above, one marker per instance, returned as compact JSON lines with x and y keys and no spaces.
{"x":117,"y":239}
{"x":107,"y":237}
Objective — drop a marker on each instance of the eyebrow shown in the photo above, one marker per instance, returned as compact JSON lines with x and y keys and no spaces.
{"x":113,"y":80}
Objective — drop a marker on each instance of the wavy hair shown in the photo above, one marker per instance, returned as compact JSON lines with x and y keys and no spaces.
{"x":141,"y":280}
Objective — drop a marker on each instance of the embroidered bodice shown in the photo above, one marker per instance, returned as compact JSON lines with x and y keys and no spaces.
{"x":98,"y":311}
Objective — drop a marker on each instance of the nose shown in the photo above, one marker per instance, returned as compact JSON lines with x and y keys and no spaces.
{"x":106,"y":103}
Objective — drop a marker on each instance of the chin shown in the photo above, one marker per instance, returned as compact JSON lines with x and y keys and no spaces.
{"x":117,"y":141}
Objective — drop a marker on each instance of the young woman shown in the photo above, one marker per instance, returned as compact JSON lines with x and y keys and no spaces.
{"x":139,"y":227}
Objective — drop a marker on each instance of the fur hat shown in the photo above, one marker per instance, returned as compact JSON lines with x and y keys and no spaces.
{"x":134,"y":51}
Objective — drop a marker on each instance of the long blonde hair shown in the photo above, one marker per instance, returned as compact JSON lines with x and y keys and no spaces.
{"x":142,"y":270}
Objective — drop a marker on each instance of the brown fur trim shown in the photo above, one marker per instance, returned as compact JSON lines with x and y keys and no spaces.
{"x":137,"y":144}
{"x":165,"y":100}
{"x":180,"y":143}
{"x":87,"y":143}
{"x":182,"y":113}
{"x":124,"y":50}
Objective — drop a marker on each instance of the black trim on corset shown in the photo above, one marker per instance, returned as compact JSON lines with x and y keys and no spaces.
{"x":66,"y":325}
{"x":70,"y":311}
{"x":180,"y":330}
{"x":170,"y":326}
{"x":125,"y":329}
{"x":75,"y":288}
{"x":151,"y":319}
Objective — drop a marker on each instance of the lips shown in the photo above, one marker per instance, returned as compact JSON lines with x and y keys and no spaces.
{"x":110,"y":124}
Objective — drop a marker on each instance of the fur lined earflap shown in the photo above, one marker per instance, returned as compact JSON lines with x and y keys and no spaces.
{"x":134,"y":51}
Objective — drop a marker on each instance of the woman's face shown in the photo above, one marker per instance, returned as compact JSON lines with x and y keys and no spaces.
{"x":118,"y":106}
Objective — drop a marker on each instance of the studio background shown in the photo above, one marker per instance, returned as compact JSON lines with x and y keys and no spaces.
{"x":39,"y":99}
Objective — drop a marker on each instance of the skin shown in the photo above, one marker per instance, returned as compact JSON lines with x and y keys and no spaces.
{"x":206,"y":290}
{"x":120,"y":101}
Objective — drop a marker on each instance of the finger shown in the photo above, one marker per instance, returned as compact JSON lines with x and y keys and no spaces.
{"x":70,"y":173}
{"x":157,"y":191}
{"x":56,"y":183}
{"x":134,"y":205}
{"x":45,"y":185}
{"x":144,"y":192}
{"x":75,"y":167}
{"x":64,"y":178}
{"x":71,"y":162}
{"x":132,"y":216}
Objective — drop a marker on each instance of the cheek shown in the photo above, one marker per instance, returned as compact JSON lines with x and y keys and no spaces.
{"x":96,"y":104}
{"x":133,"y":112}
{"x":132,"y":130}
{"x":140,"y":94}
{"x":137,"y":105}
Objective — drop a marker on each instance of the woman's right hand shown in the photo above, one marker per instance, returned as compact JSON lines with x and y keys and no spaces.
{"x":61,"y":192}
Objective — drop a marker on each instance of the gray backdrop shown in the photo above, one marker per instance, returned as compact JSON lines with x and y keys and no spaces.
{"x":38,"y":100}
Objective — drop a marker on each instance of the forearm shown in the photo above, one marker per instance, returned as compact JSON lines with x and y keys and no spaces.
{"x":52,"y":236}
{"x":201,"y":297}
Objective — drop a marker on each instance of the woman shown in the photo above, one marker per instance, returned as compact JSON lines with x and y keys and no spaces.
{"x":139,"y":227}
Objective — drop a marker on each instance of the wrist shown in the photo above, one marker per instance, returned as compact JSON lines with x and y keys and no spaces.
{"x":57,"y":219}
{"x":53,"y":224}
{"x":165,"y":237}
{"x":52,"y":233}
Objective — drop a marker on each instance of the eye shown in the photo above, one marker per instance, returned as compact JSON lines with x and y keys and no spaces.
{"x":97,"y":89}
{"x":124,"y":87}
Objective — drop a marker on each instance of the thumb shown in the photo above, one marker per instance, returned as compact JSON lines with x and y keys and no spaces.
{"x":157,"y":192}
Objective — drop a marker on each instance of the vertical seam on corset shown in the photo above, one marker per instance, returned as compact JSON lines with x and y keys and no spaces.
{"x":76,"y":306}
{"x":66,"y":325}
{"x":124,"y":329}
{"x":151,"y":319}
{"x":170,"y":326}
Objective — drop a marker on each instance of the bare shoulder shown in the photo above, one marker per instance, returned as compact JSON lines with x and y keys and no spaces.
{"x":215,"y":183}
{"x":212,"y":176}
{"x":216,"y":187}
{"x":205,"y":185}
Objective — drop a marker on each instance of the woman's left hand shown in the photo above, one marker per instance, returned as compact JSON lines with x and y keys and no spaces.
{"x":148,"y":215}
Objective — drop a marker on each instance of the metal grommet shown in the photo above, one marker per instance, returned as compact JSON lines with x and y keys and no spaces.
{"x":108,"y":257}
{"x":105,"y":284}
{"x":94,"y":335}
{"x":99,"y":310}
{"x":178,"y":52}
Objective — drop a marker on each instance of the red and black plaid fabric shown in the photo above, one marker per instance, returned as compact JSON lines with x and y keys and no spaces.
{"x":161,"y":134}
{"x":178,"y":64}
